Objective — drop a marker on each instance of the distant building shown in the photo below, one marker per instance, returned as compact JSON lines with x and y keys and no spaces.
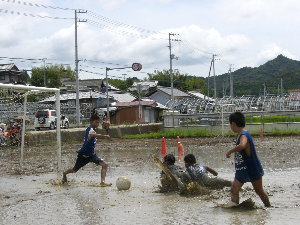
{"x":137,"y":111}
{"x":295,"y":93}
{"x":163,"y":95}
{"x":87,"y":84}
{"x":10,"y":73}
{"x":144,"y":87}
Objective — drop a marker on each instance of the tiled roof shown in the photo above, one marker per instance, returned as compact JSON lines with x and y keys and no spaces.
{"x":69,"y":96}
{"x":122,"y":97}
{"x":135,"y":103}
{"x":176,"y":92}
{"x":7,"y":67}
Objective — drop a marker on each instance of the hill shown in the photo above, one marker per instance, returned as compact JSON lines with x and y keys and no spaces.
{"x":250,"y":81}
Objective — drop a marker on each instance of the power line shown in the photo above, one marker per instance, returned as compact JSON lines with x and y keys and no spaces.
{"x":35,"y":5}
{"x":18,"y":13}
{"x":121,"y":24}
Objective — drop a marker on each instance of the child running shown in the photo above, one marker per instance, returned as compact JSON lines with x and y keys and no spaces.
{"x":87,"y":152}
{"x":247,"y":165}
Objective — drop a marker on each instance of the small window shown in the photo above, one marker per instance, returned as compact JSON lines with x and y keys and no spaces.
{"x":53,"y":113}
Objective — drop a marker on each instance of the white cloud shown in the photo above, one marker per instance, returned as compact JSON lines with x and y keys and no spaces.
{"x":272,"y":50}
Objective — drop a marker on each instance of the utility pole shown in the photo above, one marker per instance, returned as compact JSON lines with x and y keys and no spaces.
{"x":44,"y":61}
{"x":172,"y":56}
{"x":208,"y":86}
{"x":265,"y":90}
{"x":281,"y":88}
{"x":214,"y":73}
{"x":76,"y":67}
{"x":231,"y":80}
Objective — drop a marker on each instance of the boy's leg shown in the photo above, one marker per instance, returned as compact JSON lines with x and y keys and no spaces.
{"x":258,"y":187}
{"x":64,"y":180}
{"x":80,"y":162}
{"x":104,"y":167}
{"x":235,"y":190}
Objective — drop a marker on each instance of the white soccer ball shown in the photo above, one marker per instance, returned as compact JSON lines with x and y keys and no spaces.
{"x":123,"y":183}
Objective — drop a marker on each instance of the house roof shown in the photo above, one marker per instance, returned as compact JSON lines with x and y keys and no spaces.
{"x":176,"y":92}
{"x":72,"y":96}
{"x":199,"y":95}
{"x":88,"y":83}
{"x":9,"y":67}
{"x":122,"y":97}
{"x":135,"y":103}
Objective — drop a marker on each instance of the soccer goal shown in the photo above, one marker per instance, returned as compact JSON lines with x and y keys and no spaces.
{"x":14,"y":105}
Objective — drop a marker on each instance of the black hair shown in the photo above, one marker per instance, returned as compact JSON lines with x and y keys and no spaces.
{"x":169,"y":159}
{"x":190,"y":158}
{"x":238,"y":118}
{"x":94,"y":117}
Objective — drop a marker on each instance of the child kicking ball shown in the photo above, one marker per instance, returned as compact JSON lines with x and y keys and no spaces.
{"x":86,"y":153}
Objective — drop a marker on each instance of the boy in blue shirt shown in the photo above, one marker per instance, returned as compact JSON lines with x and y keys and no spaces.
{"x":247,"y":165}
{"x":87,"y":153}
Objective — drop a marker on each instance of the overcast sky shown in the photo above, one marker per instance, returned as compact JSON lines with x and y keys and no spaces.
{"x":119,"y":32}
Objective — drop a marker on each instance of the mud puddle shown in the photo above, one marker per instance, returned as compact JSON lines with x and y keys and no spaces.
{"x":31,"y":196}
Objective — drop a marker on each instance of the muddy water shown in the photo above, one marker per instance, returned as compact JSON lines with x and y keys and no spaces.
{"x":32,"y":195}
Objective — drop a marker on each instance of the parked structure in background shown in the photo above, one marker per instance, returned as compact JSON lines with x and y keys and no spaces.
{"x":136,"y":111}
{"x":10,"y":73}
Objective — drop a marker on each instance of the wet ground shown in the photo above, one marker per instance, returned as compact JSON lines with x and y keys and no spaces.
{"x":33,"y":195}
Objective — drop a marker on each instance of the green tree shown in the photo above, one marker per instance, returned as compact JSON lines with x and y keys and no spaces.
{"x":51,"y":75}
{"x":123,"y":85}
{"x":180,"y":81}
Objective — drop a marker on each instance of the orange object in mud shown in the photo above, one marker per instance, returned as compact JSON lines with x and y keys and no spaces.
{"x":261,"y":134}
{"x":163,"y":147}
{"x":180,"y":149}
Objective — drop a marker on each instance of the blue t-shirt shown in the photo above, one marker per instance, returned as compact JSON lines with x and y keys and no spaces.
{"x":88,"y":147}
{"x":197,"y":171}
{"x":247,"y":168}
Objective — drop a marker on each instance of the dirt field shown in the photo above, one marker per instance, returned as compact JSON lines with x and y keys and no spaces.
{"x":33,"y":195}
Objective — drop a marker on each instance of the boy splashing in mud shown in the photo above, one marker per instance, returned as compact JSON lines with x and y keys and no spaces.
{"x":247,"y":165}
{"x":87,"y":152}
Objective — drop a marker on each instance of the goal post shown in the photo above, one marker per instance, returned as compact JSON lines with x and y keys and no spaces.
{"x":28,"y":90}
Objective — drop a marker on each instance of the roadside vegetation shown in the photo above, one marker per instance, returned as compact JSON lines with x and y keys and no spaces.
{"x":272,"y":119}
{"x":183,"y":132}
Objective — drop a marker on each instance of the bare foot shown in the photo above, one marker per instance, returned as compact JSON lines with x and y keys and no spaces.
{"x":102,"y":184}
{"x":64,"y":180}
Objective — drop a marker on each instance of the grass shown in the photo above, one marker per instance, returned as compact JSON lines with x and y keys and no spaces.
{"x":182,"y":132}
{"x":172,"y":133}
{"x":272,"y":119}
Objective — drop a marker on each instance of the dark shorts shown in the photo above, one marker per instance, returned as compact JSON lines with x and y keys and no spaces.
{"x":82,"y":160}
{"x":245,"y":179}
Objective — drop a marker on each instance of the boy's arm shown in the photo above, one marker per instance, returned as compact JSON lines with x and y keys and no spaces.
{"x":240,"y":147}
{"x":99,"y":135}
{"x":212,"y":171}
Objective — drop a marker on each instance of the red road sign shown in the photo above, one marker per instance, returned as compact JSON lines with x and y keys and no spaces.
{"x":136,"y":66}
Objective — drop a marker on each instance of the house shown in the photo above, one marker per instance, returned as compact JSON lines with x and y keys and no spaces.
{"x":144,"y":87}
{"x":136,"y":111}
{"x":9,"y":73}
{"x":87,"y":84}
{"x":163,"y":95}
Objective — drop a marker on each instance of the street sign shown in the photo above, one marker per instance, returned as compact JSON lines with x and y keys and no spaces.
{"x":136,"y":66}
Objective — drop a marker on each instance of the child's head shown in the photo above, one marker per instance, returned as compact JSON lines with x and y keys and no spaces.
{"x":237,"y":120}
{"x":189,"y":160}
{"x":169,"y":159}
{"x":95,"y":120}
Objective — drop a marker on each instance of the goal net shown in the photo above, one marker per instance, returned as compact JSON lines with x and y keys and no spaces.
{"x":18,"y":105}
